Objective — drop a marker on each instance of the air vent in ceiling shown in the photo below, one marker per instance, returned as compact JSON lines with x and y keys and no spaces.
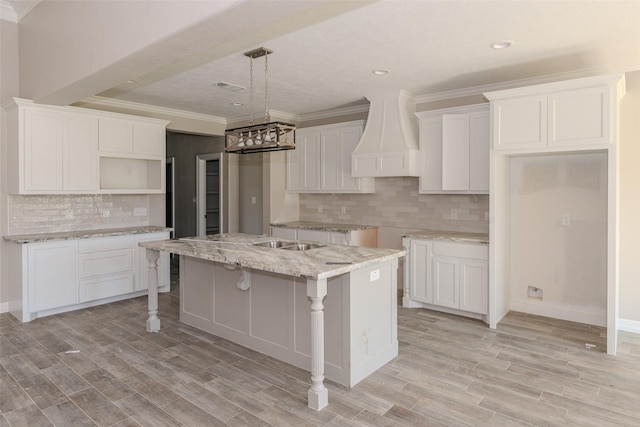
{"x":230,"y":86}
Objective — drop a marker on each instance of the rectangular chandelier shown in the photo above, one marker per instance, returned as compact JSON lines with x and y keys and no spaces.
{"x":264,"y":137}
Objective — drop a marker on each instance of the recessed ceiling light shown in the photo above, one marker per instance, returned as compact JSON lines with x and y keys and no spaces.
{"x":237,"y":104}
{"x":501,"y":44}
{"x":380,"y":72}
{"x":131,"y":82}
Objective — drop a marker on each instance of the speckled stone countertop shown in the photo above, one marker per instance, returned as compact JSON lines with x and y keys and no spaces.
{"x":452,"y":236}
{"x":238,"y":249}
{"x":84,"y":234}
{"x":321,"y":226}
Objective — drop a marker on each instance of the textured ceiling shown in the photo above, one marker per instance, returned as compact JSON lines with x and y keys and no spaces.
{"x":429,"y":47}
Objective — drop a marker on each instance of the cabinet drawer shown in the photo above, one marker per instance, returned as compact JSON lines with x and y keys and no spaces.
{"x":104,"y":287}
{"x":105,"y":244}
{"x":99,"y":263}
{"x":461,"y":250}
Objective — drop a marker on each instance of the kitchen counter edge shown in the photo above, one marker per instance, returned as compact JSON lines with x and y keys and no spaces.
{"x":321,"y":226}
{"x":84,"y":234}
{"x":451,"y":236}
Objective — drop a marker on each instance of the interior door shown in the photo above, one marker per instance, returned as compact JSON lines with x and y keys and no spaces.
{"x":210,"y":193}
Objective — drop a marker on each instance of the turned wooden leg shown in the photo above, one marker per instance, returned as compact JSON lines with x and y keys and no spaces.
{"x":153,"y":322}
{"x":318,"y":395}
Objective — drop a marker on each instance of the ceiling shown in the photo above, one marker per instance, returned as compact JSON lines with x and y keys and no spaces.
{"x":432,"y":49}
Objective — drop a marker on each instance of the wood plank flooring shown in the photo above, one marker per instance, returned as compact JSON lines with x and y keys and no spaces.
{"x":99,"y":366}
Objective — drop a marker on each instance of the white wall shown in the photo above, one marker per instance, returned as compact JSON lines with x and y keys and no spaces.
{"x":568,"y":262}
{"x":8,"y":89}
{"x":630,"y":205}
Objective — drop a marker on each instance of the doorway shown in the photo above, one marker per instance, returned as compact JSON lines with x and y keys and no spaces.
{"x":170,"y":202}
{"x":210,"y":193}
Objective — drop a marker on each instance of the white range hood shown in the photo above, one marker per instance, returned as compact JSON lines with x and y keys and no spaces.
{"x":389,"y":144}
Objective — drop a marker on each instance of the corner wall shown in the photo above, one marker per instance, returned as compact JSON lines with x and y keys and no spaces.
{"x":629,"y":291}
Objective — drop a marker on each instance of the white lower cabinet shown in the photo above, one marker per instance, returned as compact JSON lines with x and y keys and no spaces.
{"x":51,"y":275}
{"x":59,"y":276}
{"x":447,"y":276}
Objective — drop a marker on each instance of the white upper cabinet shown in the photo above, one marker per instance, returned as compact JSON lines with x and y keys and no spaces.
{"x":454,"y":150}
{"x":577,"y":115}
{"x":129,"y":137}
{"x":321,"y":161}
{"x":51,"y":152}
{"x":62,"y":150}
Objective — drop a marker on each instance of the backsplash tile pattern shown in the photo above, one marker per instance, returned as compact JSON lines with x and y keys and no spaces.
{"x":396,"y":203}
{"x":47,"y":214}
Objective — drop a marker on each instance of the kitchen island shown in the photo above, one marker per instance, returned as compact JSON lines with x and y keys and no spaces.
{"x":255,"y":293}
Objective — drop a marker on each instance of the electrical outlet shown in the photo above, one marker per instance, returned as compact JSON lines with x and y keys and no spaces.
{"x":68,"y":214}
{"x":533,"y":292}
{"x":253,"y":200}
{"x":374,"y":275}
{"x":486,"y":216}
{"x":106,"y":213}
{"x":454,"y":214}
{"x":566,"y":219}
{"x":139,"y":211}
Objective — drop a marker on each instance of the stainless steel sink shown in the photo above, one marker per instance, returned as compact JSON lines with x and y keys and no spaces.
{"x":301,"y":246}
{"x":272,"y":244}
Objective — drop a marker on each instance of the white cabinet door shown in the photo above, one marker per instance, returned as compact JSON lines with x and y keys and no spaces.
{"x":339,"y":239}
{"x":446,"y":282}
{"x":116,"y":136}
{"x":284,"y":233}
{"x":321,"y":161}
{"x":579,"y":117}
{"x":474,"y":289}
{"x":149,"y":139}
{"x":520,"y":123}
{"x":303,"y":172}
{"x":420,"y":275}
{"x":80,"y":154}
{"x":330,"y":160}
{"x":43,"y":141}
{"x":313,"y":235}
{"x":455,"y":152}
{"x":431,"y":154}
{"x":479,"y":149}
{"x":52,"y":278}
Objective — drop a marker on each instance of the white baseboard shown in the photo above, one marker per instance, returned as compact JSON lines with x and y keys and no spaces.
{"x":4,"y":307}
{"x":628,"y":325}
{"x":570,"y":313}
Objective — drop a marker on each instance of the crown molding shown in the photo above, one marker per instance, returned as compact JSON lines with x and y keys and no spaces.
{"x":7,"y":12}
{"x":152,"y":109}
{"x":334,"y":113}
{"x":512,"y":84}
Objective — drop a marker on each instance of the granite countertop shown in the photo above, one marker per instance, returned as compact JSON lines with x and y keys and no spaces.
{"x":84,"y":234}
{"x":451,"y":236}
{"x":239,"y":250}
{"x":321,"y":226}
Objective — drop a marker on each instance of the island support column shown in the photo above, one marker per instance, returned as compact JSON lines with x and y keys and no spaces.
{"x":318,"y":395}
{"x":153,"y":322}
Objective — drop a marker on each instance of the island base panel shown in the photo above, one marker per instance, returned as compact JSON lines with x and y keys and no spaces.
{"x":273,"y":315}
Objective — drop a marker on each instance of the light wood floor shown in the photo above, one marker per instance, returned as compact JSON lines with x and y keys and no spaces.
{"x":99,"y":367}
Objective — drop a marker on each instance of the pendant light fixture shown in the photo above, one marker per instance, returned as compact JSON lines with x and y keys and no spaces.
{"x":269,"y":136}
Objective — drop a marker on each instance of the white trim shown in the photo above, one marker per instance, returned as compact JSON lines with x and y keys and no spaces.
{"x":7,"y":12}
{"x":116,"y":103}
{"x":563,"y":312}
{"x":4,"y":307}
{"x":632,"y":326}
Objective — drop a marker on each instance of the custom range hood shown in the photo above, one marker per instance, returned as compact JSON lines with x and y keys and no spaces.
{"x":389,"y":144}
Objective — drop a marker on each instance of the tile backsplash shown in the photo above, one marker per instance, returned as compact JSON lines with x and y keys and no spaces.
{"x":396,"y":203}
{"x":48,"y":214}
